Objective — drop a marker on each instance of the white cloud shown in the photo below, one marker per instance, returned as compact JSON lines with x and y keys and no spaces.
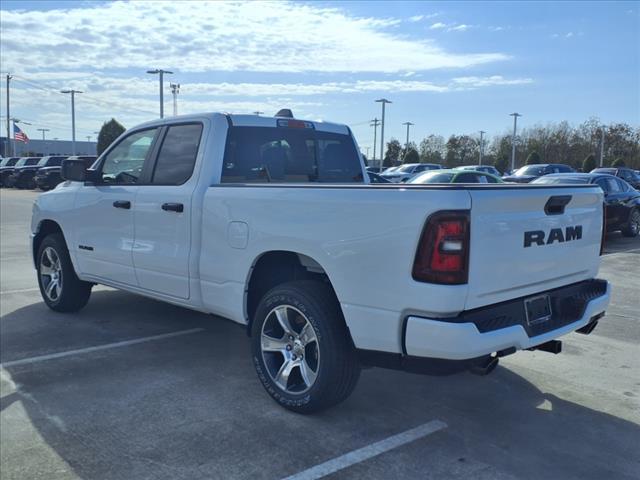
{"x":416,"y":18}
{"x":569,"y":35}
{"x":475,"y":82}
{"x":198,"y":36}
{"x":438,"y":26}
{"x":460,"y":28}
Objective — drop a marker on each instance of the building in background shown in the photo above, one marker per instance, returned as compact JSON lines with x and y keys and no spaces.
{"x":47,"y":147}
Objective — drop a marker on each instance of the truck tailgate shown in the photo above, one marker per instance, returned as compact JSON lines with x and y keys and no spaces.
{"x":529,"y":239}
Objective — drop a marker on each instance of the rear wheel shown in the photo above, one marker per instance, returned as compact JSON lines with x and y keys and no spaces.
{"x":632,"y":228}
{"x":301,"y":347}
{"x":60,"y":287}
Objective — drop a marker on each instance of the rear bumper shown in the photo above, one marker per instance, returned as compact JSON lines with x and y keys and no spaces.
{"x":474,"y":334}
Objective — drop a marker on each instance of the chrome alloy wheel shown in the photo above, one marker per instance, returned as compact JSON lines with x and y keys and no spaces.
{"x":290,"y":349}
{"x":51,"y":274}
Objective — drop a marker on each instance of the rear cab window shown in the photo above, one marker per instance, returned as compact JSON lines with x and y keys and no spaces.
{"x":289,"y":155}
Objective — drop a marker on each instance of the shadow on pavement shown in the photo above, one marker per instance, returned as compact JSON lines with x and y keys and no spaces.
{"x":192,"y":407}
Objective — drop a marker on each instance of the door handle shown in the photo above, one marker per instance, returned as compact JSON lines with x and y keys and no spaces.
{"x":173,"y":207}
{"x":126,"y":204}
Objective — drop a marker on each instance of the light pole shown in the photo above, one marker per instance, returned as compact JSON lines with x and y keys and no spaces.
{"x":175,"y":90}
{"x":374,"y":123}
{"x":406,"y":145}
{"x":73,"y":118}
{"x":602,"y":146}
{"x":515,"y":116}
{"x":482,"y":132}
{"x":44,"y":143}
{"x":384,"y":102}
{"x":161,"y":73}
{"x":9,"y":151}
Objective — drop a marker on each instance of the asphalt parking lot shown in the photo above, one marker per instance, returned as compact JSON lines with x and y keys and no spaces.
{"x":173,"y":394}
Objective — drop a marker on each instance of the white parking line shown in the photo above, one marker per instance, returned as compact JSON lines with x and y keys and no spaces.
{"x":370,"y":451}
{"x":107,"y":346}
{"x":21,"y":290}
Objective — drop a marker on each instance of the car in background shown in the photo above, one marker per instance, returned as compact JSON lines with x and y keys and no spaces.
{"x":455,"y":176}
{"x":376,"y":178}
{"x":24,"y":177}
{"x":529,"y":173}
{"x":621,"y":200}
{"x":482,"y":168}
{"x":408,"y":170}
{"x":14,"y":174}
{"x":6,"y":168}
{"x":627,"y":174}
{"x":390,"y":169}
{"x":48,"y":177}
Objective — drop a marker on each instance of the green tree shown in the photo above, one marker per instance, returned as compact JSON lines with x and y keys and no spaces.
{"x":461,"y":150}
{"x":432,"y":149}
{"x":533,"y":158}
{"x":412,"y":156}
{"x":502,"y":163}
{"x":392,"y":155}
{"x":618,"y":162}
{"x":108,"y":133}
{"x":589,"y":163}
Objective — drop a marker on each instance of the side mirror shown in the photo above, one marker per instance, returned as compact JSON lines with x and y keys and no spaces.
{"x":74,"y":170}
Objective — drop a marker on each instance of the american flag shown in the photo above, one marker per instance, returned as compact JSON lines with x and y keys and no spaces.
{"x":19,"y":135}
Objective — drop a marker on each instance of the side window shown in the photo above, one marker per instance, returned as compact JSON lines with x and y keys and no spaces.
{"x":614,"y":185}
{"x":177,"y":155}
{"x":54,"y":162}
{"x":489,"y":179}
{"x":467,"y":178}
{"x":622,"y":186}
{"x":603,"y":184}
{"x":123,"y":164}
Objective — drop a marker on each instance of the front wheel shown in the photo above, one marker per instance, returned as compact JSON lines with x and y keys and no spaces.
{"x":301,"y":347}
{"x":632,"y":227}
{"x":60,"y":287}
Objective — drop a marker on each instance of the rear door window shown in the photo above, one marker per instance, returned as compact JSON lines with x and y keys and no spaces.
{"x":177,"y":156}
{"x":289,"y":155}
{"x":467,"y":178}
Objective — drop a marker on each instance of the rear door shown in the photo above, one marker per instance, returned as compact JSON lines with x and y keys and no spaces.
{"x":163,"y":213}
{"x":529,"y":239}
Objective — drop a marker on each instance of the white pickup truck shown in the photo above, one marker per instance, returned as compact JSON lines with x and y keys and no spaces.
{"x":272,"y":223}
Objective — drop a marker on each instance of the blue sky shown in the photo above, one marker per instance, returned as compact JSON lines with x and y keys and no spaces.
{"x":448,"y":67}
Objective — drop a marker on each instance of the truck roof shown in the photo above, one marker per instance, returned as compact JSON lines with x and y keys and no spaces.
{"x":242,"y":120}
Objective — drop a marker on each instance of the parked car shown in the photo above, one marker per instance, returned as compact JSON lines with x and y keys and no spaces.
{"x":269,"y":222}
{"x":455,"y":176}
{"x":530,"y":172}
{"x":15,"y":177}
{"x":622,"y":201}
{"x":482,"y":168}
{"x":627,"y":174}
{"x":24,"y":177}
{"x":408,"y":170}
{"x":48,"y":176}
{"x":6,"y":169}
{"x":390,"y":169}
{"x":376,"y":178}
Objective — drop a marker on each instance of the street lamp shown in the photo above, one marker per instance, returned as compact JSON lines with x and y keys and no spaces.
{"x":515,"y":116}
{"x":44,"y":143}
{"x":406,"y":145}
{"x":161,"y":73}
{"x":384,"y":102}
{"x":482,"y":132}
{"x":73,"y":118}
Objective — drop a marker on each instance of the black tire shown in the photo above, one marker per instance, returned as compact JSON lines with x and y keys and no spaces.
{"x":73,"y":293}
{"x":337,"y":370}
{"x":632,"y":228}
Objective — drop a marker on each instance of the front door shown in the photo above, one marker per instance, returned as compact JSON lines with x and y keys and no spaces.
{"x":103,"y":214}
{"x":163,"y":213}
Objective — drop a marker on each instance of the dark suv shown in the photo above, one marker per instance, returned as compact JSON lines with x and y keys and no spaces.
{"x":530,"y":172}
{"x":6,"y":168}
{"x":22,"y":171}
{"x":49,"y":176}
{"x":627,"y":174}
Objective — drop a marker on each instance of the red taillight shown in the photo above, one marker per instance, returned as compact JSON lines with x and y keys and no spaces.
{"x":443,"y":252}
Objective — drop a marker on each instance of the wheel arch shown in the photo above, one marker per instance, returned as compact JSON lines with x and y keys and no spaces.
{"x":45,"y":227}
{"x":272,"y":268}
